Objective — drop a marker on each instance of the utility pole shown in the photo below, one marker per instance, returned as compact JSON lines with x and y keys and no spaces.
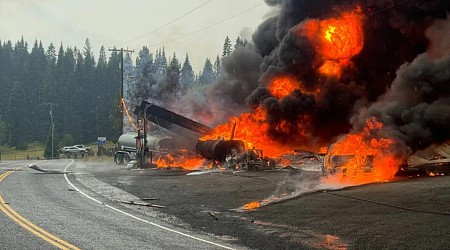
{"x":53,"y":126}
{"x":121,"y":50}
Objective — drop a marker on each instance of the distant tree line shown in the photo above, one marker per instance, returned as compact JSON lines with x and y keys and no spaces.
{"x":81,"y":93}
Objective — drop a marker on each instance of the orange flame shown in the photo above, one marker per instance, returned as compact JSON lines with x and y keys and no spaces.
{"x":252,"y":205}
{"x":336,"y":40}
{"x":369,"y":159}
{"x":253,"y":130}
{"x":281,"y":87}
{"x":323,"y":150}
{"x":182,"y":160}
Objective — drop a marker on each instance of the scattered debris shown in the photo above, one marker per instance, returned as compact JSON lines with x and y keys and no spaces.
{"x":213,"y":215}
{"x":140,"y":203}
{"x":150,"y":199}
{"x":32,"y":166}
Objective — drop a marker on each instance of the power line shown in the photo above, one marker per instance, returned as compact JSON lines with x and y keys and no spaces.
{"x":170,"y":22}
{"x":207,"y":27}
{"x":388,"y":8}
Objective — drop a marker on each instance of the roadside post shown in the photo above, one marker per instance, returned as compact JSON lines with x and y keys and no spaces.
{"x":101,"y":141}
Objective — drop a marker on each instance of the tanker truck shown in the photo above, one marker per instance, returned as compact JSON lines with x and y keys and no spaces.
{"x":128,"y":146}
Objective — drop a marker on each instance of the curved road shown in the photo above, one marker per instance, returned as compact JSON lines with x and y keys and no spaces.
{"x":53,"y":210}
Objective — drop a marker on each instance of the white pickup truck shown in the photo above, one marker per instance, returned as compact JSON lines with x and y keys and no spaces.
{"x":75,"y":151}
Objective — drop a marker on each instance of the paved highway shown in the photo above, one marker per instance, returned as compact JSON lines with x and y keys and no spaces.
{"x":53,"y":210}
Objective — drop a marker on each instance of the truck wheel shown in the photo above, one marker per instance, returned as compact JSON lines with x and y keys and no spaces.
{"x":118,"y":159}
{"x":126,"y":159}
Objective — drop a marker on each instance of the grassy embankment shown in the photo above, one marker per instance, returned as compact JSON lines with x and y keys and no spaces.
{"x":36,"y":151}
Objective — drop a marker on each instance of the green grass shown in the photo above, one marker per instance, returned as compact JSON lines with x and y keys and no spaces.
{"x":34,"y":151}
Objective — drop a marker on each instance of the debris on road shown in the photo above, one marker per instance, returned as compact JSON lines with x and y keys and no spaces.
{"x":213,"y":215}
{"x":33,"y":166}
{"x":140,"y":203}
{"x":150,"y":199}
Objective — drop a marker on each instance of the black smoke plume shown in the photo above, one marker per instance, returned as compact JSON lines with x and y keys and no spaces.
{"x":416,"y":108}
{"x":416,"y":104}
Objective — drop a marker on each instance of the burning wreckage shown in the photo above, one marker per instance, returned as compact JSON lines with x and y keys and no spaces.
{"x":168,"y":151}
{"x":369,"y":78}
{"x":233,"y":154}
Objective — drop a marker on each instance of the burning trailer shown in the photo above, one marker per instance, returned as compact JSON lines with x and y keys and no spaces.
{"x":230,"y":153}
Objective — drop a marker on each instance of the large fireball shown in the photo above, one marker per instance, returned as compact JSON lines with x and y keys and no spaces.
{"x":336,"y":40}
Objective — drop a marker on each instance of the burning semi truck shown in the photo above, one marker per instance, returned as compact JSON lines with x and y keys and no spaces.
{"x":185,"y":142}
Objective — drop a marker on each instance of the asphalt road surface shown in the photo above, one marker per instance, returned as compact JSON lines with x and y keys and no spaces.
{"x":52,"y":210}
{"x":183,"y":210}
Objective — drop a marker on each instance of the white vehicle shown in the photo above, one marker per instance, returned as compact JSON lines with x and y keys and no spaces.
{"x":74,"y":151}
{"x":82,"y":147}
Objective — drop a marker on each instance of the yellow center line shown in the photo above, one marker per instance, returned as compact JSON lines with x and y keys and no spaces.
{"x":41,"y":233}
{"x":3,"y":176}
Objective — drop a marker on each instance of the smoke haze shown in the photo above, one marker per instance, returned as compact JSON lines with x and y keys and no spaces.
{"x":400,"y":75}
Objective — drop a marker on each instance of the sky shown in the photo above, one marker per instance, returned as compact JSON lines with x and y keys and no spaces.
{"x":196,"y":27}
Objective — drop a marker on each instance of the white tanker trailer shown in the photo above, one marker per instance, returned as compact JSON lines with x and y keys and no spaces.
{"x":128,"y":148}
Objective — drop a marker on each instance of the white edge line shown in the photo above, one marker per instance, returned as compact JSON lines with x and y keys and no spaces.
{"x":137,"y":218}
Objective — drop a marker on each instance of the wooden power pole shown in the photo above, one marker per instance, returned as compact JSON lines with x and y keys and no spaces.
{"x":121,"y":50}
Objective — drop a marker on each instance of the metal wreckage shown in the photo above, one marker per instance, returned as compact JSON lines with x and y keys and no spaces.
{"x":184,"y":137}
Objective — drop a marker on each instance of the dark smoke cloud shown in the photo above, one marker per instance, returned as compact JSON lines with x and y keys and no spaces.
{"x":416,"y":108}
{"x":226,"y":97}
{"x":273,"y":2}
{"x":267,"y":40}
{"x":394,"y":33}
{"x":392,"y":36}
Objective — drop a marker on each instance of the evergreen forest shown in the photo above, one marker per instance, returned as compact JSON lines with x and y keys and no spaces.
{"x":81,"y":94}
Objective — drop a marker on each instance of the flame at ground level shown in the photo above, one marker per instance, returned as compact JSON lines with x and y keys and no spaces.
{"x":183,"y":160}
{"x":368,"y":159}
{"x":252,"y":205}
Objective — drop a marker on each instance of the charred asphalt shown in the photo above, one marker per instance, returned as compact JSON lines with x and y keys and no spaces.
{"x":407,"y":213}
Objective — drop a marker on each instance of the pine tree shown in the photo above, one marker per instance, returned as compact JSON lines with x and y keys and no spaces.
{"x":18,"y":122}
{"x":187,"y":77}
{"x":207,"y":75}
{"x":172,"y":78}
{"x":35,"y":90}
{"x":144,"y":63}
{"x":217,"y":68}
{"x":51,"y":55}
{"x":86,"y":80}
{"x":3,"y":132}
{"x":101,"y":98}
{"x":227,"y":47}
{"x":6,"y":75}
{"x":144,"y":76}
{"x":240,"y":42}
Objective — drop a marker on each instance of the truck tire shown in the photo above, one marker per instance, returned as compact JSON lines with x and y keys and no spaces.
{"x":126,"y":158}
{"x":118,"y":159}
